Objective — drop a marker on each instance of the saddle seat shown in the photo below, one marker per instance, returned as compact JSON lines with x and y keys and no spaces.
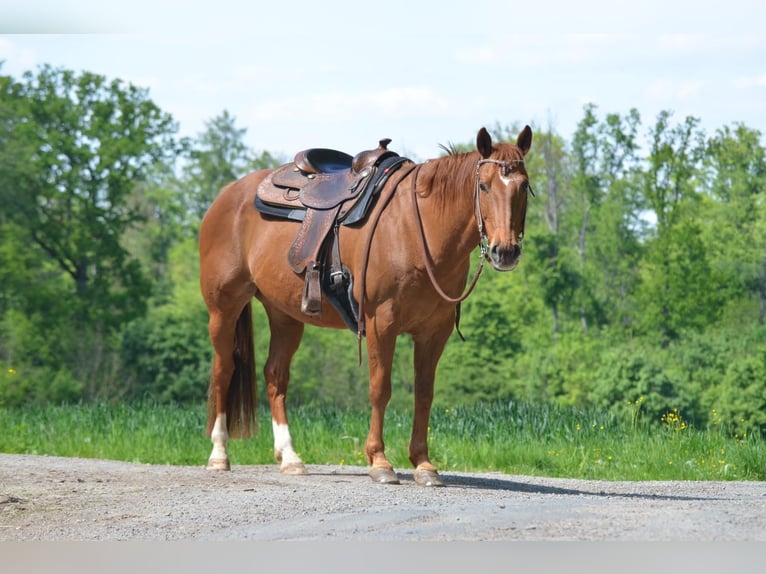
{"x":322,"y":160}
{"x":320,"y":178}
{"x":323,"y":189}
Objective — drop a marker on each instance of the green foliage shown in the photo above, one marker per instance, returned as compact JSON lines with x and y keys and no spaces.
{"x":741,"y":395}
{"x":73,"y":148}
{"x":39,"y":385}
{"x":217,"y":157}
{"x":641,"y":292}
{"x":87,"y":143}
{"x":631,"y":376}
{"x":166,"y":356}
{"x":503,"y":436}
{"x":679,"y":290}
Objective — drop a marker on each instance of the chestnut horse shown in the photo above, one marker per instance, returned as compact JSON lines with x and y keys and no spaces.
{"x":414,"y":252}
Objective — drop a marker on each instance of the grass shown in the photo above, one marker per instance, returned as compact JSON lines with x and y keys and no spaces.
{"x":513,"y":438}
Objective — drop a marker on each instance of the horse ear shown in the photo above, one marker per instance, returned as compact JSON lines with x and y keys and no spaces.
{"x":484,"y":143}
{"x":524,"y":141}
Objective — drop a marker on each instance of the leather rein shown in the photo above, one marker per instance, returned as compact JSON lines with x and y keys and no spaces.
{"x":483,"y":240}
{"x":483,"y":243}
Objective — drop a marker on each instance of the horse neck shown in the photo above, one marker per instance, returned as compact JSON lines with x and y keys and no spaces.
{"x":447,"y":206}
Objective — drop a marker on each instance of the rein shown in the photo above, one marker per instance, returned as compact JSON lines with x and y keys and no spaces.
{"x":427,"y":255}
{"x":363,"y":272}
{"x":483,"y":243}
{"x":483,"y":240}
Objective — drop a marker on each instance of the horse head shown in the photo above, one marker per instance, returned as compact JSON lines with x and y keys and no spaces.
{"x":502,"y":186}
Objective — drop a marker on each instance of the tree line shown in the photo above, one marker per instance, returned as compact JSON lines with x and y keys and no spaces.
{"x":642,"y":286}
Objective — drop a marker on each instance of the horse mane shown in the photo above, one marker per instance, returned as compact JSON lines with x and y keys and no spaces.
{"x":451,"y":177}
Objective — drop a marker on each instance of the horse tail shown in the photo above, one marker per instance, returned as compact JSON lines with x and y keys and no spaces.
{"x":241,"y":404}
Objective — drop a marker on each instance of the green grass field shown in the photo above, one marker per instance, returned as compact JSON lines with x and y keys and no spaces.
{"x":513,"y":438}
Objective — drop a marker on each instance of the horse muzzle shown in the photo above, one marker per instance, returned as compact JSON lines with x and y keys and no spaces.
{"x":504,"y":257}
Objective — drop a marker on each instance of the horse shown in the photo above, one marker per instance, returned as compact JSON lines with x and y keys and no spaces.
{"x":413,"y":255}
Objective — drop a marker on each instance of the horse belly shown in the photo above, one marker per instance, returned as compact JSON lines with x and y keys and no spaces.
{"x":278,"y":287}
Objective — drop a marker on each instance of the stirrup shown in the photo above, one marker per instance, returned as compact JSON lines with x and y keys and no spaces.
{"x":311,"y":303}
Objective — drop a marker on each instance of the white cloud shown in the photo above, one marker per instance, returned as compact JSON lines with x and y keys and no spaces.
{"x":394,"y":102}
{"x":666,"y":90}
{"x":481,"y":54}
{"x":531,"y":51}
{"x":686,"y":43}
{"x":17,"y":60}
{"x":748,"y":82}
{"x":708,"y":44}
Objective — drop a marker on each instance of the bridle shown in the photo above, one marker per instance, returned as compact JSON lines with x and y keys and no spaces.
{"x":483,"y":239}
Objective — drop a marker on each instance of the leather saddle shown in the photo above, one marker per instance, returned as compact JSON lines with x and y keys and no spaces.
{"x":323,"y":189}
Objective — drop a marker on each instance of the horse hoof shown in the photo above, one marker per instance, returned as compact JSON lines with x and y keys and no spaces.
{"x":427,"y":478}
{"x":293,"y":469}
{"x":218,"y":464}
{"x":383,"y":476}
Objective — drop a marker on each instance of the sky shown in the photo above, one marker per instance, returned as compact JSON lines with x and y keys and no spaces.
{"x":345,"y":74}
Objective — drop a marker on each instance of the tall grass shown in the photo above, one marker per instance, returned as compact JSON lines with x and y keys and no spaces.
{"x":514,"y":438}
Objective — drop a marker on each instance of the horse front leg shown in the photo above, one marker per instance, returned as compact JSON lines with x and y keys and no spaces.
{"x":428,"y":351}
{"x":286,"y":335}
{"x":380,"y":353}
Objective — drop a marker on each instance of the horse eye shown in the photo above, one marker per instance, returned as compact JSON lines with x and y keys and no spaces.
{"x":483,"y":186}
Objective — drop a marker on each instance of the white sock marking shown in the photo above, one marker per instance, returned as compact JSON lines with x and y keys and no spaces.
{"x":219,"y":437}
{"x":283,"y":444}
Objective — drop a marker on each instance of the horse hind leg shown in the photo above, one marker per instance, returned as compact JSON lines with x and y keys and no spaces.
{"x":286,"y":335}
{"x":232,"y":389}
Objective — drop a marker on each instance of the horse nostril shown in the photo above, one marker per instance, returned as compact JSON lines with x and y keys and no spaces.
{"x":495,"y":253}
{"x":504,"y":257}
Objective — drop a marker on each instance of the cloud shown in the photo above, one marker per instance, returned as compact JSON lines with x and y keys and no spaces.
{"x":531,"y":51}
{"x":17,"y":60}
{"x":394,"y":102}
{"x":684,"y":45}
{"x":749,"y":82}
{"x":481,"y":54}
{"x":666,"y":90}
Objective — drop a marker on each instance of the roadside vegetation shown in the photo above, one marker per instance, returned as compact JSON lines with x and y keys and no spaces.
{"x":630,"y":342}
{"x":511,"y":438}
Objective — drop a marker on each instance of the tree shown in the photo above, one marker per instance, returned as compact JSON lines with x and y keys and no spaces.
{"x":678,"y":289}
{"x":73,"y":150}
{"x":604,"y":212}
{"x":614,"y":247}
{"x":85,"y":143}
{"x":218,"y":156}
{"x":673,"y":167}
{"x":736,"y":216}
{"x":550,"y":170}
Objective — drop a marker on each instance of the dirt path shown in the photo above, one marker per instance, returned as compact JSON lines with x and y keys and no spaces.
{"x":62,"y":499}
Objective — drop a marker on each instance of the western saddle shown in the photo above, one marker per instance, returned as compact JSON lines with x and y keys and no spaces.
{"x":323,"y":189}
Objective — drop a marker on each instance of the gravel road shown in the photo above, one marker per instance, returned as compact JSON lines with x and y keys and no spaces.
{"x":64,"y":499}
